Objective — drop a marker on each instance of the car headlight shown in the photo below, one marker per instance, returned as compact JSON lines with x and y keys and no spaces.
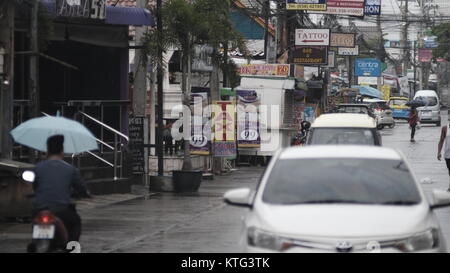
{"x":263,"y":239}
{"x":421,"y":241}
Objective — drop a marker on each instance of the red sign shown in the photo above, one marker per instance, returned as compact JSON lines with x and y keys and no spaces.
{"x":425,"y":55}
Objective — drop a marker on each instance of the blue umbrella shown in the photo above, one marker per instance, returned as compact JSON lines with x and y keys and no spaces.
{"x":35,"y":132}
{"x":368,"y":91}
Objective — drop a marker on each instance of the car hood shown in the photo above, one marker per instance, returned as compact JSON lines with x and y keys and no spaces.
{"x":342,"y":220}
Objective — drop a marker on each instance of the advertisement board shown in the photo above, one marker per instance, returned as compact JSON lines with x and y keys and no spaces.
{"x":372,"y":7}
{"x":425,"y":55}
{"x":368,"y":80}
{"x":306,"y":4}
{"x":201,"y":129}
{"x":224,"y":120}
{"x":348,"y":51}
{"x":367,"y":68}
{"x":344,"y":7}
{"x":310,"y":55}
{"x":312,"y":37}
{"x":248,"y":127}
{"x":343,"y":40}
{"x":267,"y":70}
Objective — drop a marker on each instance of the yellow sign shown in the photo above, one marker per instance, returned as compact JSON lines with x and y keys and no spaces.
{"x":386,"y":90}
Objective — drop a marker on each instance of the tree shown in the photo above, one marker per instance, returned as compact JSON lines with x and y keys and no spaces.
{"x":187,"y":24}
{"x":442,"y":32}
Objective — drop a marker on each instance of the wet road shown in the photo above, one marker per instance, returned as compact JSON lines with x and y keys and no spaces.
{"x":202,"y":222}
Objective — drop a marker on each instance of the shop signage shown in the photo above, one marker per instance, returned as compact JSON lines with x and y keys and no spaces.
{"x":306,"y":4}
{"x":372,"y":7}
{"x":344,"y":7}
{"x":368,"y":80}
{"x":331,"y":59}
{"x":200,"y":130}
{"x":368,"y":68}
{"x":92,"y":9}
{"x":312,"y":37}
{"x":224,"y":120}
{"x":267,"y":70}
{"x":310,"y":55}
{"x":248,"y":131}
{"x":136,"y":135}
{"x":425,"y":55}
{"x":342,"y":40}
{"x":348,"y":51}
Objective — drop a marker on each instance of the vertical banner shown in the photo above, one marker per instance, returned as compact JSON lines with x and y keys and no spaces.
{"x":136,"y":135}
{"x":386,"y":90}
{"x":248,"y":129}
{"x":201,"y":129}
{"x":224,"y":122}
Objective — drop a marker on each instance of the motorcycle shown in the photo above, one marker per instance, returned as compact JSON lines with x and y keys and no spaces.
{"x":49,"y":234}
{"x":301,"y":138}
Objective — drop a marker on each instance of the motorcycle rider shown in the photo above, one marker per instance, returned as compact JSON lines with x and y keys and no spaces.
{"x":53,"y":186}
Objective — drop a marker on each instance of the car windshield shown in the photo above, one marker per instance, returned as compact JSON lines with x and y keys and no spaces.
{"x":332,"y":136}
{"x":340,"y":180}
{"x":353,"y":109}
{"x":398,"y":102}
{"x":430,"y":101}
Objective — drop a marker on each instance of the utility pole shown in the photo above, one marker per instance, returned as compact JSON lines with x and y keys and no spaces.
{"x":160,"y":93}
{"x":7,"y":11}
{"x":140,"y":80}
{"x":266,"y":29}
{"x":34,"y":60}
{"x":404,"y":38}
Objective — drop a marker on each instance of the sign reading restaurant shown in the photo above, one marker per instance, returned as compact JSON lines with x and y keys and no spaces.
{"x":92,"y":9}
{"x":312,"y":37}
{"x":310,"y":55}
{"x":306,"y":4}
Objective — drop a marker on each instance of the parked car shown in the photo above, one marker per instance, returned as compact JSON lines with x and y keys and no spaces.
{"x":431,"y":113}
{"x":399,"y":108}
{"x":339,"y":199}
{"x":355,"y":108}
{"x":383,"y":113}
{"x":337,"y":129}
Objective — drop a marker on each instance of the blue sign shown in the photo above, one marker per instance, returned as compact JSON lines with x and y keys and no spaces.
{"x":367,"y":68}
{"x":372,"y":7}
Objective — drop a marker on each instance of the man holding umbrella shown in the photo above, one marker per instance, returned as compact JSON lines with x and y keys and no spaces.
{"x":54,"y":181}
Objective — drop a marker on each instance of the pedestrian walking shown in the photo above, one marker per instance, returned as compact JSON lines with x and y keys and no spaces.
{"x":445,"y":139}
{"x":168,"y":140}
{"x":413,"y":120}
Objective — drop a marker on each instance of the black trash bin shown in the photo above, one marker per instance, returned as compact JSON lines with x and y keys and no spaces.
{"x":187,"y":181}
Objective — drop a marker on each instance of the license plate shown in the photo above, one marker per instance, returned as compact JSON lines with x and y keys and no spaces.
{"x":426,"y":114}
{"x":43,"y":231}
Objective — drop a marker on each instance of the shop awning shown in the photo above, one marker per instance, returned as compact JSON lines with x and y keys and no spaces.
{"x":368,"y":91}
{"x":129,"y":16}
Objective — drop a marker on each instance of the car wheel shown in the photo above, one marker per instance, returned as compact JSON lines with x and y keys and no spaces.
{"x":438,"y":123}
{"x":380,"y":127}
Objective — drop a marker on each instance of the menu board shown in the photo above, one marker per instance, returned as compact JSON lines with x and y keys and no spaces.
{"x":136,"y":135}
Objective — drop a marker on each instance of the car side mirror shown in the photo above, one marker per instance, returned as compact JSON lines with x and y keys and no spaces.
{"x":440,"y":199}
{"x":238,"y":197}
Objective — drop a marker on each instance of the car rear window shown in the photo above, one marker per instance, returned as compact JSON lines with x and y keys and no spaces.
{"x":430,"y":101}
{"x":335,"y":136}
{"x":341,"y":180}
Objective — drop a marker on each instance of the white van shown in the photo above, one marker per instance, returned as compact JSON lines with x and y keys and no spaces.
{"x":431,"y":113}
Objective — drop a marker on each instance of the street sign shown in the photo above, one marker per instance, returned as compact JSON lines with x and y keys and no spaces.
{"x":372,"y":7}
{"x":306,"y":5}
{"x":310,"y":55}
{"x":342,"y":40}
{"x":348,"y":51}
{"x":312,"y":37}
{"x":344,"y":7}
{"x":368,"y":68}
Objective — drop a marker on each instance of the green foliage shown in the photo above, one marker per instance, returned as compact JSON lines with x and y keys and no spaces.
{"x":442,"y":31}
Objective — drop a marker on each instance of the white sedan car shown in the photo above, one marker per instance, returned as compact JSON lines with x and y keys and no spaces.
{"x":340,"y":199}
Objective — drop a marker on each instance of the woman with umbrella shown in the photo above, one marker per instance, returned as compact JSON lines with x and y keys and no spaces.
{"x":413,"y":119}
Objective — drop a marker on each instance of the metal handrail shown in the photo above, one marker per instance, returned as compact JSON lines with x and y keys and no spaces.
{"x":105,"y":126}
{"x":101,"y":159}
